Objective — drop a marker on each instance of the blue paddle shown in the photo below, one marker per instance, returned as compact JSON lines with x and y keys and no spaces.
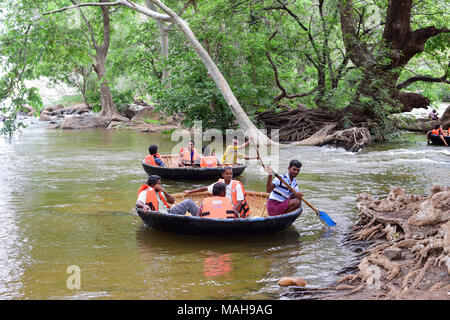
{"x":324,"y":218}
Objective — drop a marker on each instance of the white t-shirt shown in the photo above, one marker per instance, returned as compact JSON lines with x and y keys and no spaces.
{"x":161,"y":206}
{"x":239,"y":192}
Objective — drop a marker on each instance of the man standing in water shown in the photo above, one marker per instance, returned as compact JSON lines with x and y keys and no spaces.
{"x":281,"y":199}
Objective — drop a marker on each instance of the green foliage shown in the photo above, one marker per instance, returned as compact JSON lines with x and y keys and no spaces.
{"x":10,"y":125}
{"x":236,"y":34}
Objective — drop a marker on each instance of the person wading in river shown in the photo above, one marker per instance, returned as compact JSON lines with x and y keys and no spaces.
{"x":281,"y":199}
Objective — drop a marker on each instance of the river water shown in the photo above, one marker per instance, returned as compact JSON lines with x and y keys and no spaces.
{"x":67,"y":198}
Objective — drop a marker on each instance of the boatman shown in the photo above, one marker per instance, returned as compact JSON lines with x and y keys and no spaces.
{"x":154,"y":159}
{"x":218,"y":206}
{"x":152,"y":196}
{"x":281,"y":199}
{"x":234,"y":191}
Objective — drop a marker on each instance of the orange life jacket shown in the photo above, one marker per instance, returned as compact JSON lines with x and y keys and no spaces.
{"x":185,"y":155}
{"x":152,"y":199}
{"x":208,"y":162}
{"x":217,"y":207}
{"x":244,"y":210}
{"x":150,"y":159}
{"x":437,"y":131}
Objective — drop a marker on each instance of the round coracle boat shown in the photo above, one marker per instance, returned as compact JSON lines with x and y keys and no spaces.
{"x":438,"y":141}
{"x":172,"y":171}
{"x":259,"y":221}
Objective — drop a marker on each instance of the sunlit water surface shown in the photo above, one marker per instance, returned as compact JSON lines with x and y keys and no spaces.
{"x":67,"y":198}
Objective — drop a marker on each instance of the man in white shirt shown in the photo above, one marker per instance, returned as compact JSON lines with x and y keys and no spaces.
{"x":227,"y":176}
{"x":162,"y":199}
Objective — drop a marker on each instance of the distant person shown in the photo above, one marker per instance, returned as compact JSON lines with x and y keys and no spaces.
{"x":153,"y":158}
{"x":281,"y":199}
{"x":152,"y":196}
{"x":231,"y":153}
{"x":188,"y":155}
{"x":218,"y":206}
{"x":433,"y":115}
{"x":234,"y":191}
{"x":437,"y":131}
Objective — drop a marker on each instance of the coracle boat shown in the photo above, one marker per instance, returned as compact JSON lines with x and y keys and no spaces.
{"x":172,"y":171}
{"x":438,"y":141}
{"x":259,"y":221}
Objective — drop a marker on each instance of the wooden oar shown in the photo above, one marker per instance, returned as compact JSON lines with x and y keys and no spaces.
{"x":324,"y":218}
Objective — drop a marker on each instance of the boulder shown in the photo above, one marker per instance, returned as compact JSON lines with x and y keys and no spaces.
{"x":84,"y":122}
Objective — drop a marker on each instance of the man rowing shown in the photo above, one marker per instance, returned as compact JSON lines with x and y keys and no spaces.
{"x":281,"y":199}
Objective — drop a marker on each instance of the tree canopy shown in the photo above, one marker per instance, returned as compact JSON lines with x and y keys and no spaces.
{"x":274,"y":54}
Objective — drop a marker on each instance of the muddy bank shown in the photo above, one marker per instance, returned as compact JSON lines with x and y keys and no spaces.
{"x":403,"y":246}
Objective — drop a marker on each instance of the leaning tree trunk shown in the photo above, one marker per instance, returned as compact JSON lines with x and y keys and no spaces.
{"x":214,"y":72}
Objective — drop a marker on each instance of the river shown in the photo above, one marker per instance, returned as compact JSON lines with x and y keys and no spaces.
{"x":67,"y":199}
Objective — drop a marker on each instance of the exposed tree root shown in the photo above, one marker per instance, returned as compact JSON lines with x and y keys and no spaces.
{"x":418,"y":228}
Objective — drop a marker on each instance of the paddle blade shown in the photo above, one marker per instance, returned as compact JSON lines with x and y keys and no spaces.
{"x":326,"y":219}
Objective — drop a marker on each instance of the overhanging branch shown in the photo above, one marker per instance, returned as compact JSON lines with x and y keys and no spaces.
{"x":411,"y":80}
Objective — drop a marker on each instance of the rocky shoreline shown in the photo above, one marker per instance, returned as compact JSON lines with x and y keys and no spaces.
{"x":141,"y":118}
{"x":403,"y":247}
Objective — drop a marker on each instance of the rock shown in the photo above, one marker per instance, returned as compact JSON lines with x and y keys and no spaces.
{"x":393,"y":253}
{"x":50,"y":109}
{"x":45,"y":118}
{"x":292,"y":281}
{"x":84,"y":122}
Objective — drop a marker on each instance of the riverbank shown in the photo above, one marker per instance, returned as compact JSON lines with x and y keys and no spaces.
{"x":142,"y":118}
{"x":403,"y":246}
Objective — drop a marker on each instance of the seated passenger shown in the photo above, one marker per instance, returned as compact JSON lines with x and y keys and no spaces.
{"x":218,"y":206}
{"x":188,"y":155}
{"x":234,"y":191}
{"x":438,"y":131}
{"x":154,"y":159}
{"x":152,"y":196}
{"x":208,"y":160}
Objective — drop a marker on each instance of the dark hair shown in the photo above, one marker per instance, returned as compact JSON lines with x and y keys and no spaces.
{"x":437,"y":126}
{"x":192,"y":142}
{"x":218,"y":188}
{"x":153,"y":149}
{"x":295,"y":163}
{"x":227,"y":168}
{"x":152,"y":180}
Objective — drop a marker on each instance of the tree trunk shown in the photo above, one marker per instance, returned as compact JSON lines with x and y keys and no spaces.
{"x":109,"y":109}
{"x":242,"y":118}
{"x":381,"y":79}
